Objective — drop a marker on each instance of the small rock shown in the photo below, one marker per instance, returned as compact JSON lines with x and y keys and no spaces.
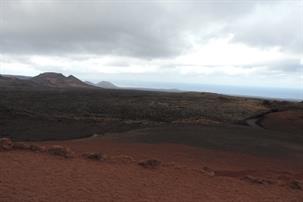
{"x":6,"y":144}
{"x":94,"y":156}
{"x":152,"y":163}
{"x":295,"y":185}
{"x":21,"y":146}
{"x":37,"y":148}
{"x":58,"y":150}
{"x":256,"y":180}
{"x":208,"y":171}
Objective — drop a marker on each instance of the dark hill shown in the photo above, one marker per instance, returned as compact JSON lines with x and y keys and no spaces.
{"x":57,"y":80}
{"x":42,"y":81}
{"x":15,"y":83}
{"x":16,"y":76}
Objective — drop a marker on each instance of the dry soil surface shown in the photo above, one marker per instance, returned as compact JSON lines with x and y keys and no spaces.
{"x":186,"y":174}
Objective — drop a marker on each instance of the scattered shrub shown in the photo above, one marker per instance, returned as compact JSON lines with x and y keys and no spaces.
{"x":266,"y":102}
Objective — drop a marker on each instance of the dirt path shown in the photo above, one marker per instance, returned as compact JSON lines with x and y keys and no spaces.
{"x":254,"y":123}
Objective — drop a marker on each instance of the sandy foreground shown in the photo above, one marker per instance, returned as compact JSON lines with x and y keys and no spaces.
{"x":186,"y":174}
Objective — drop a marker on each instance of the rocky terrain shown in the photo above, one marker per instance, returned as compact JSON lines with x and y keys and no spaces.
{"x":64,"y":140}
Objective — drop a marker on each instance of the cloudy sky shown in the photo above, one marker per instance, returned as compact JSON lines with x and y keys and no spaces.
{"x":230,"y":42}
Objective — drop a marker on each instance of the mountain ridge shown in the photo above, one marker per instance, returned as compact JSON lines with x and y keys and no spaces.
{"x":58,"y":80}
{"x":43,"y":80}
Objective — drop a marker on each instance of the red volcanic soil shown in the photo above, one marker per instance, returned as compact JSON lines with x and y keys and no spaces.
{"x":291,"y":121}
{"x":186,"y":174}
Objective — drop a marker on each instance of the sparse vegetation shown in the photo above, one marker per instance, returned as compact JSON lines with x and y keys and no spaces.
{"x":63,"y":114}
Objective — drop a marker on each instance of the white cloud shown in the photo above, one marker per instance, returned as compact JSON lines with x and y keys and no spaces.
{"x":223,"y":51}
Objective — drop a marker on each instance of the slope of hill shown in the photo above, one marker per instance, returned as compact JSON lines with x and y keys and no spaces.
{"x":15,"y":83}
{"x":90,"y":83}
{"x":107,"y":84}
{"x":16,"y":76}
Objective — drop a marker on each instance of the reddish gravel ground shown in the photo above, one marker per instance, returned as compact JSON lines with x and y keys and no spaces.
{"x":186,"y":174}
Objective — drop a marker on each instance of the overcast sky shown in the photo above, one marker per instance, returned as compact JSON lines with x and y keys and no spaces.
{"x":240,"y":42}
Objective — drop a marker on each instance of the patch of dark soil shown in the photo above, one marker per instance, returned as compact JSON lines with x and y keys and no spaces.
{"x":37,"y":129}
{"x":228,"y":138}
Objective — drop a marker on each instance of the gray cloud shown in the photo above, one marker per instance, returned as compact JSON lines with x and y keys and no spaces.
{"x":141,"y":29}
{"x":101,"y":28}
{"x":269,"y":25}
{"x":291,"y":65}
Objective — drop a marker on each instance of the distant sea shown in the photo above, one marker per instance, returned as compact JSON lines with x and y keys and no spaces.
{"x":259,"y":92}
